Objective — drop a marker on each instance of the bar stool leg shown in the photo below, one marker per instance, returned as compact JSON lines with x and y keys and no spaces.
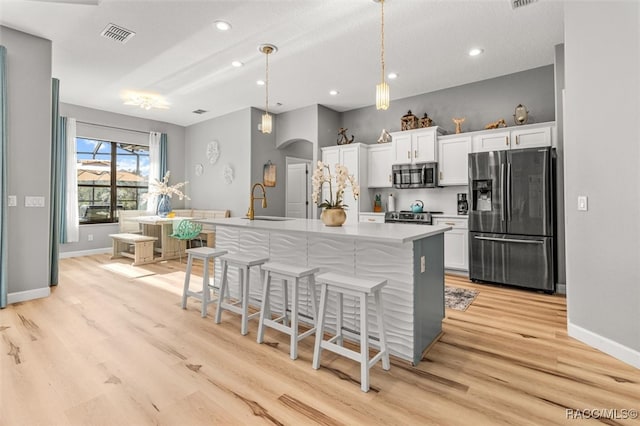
{"x":311,"y":284}
{"x":364,"y":344}
{"x":317,"y":348}
{"x":382,"y":332}
{"x":294,"y":319}
{"x":285,"y":295}
{"x":245,"y":301}
{"x":187,"y":277}
{"x":265,"y":305}
{"x":223,"y":288}
{"x":205,"y":287}
{"x":339,"y":339}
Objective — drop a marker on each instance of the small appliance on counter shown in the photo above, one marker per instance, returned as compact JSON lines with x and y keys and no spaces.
{"x":463,"y":205}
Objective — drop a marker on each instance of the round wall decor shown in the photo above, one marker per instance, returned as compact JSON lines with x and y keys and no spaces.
{"x":227,"y":174}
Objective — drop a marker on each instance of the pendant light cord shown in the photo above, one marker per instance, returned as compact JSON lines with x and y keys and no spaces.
{"x":266,"y":102}
{"x":382,"y":38}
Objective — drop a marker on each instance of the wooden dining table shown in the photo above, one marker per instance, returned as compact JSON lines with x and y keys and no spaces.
{"x":161,"y":228}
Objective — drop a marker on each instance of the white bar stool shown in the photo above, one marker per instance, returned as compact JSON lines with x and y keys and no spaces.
{"x":287,"y":273}
{"x":361,"y":288}
{"x":243,"y":263}
{"x":204,"y":254}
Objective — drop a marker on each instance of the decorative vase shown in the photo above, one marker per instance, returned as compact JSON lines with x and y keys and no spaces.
{"x":333,"y":217}
{"x":164,"y":206}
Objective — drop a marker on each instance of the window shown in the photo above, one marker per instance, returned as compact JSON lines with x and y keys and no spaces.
{"x":112,"y":176}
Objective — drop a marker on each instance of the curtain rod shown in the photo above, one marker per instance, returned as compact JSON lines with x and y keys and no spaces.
{"x":112,"y":127}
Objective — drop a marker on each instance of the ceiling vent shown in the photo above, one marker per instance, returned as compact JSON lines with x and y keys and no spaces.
{"x":119,"y":34}
{"x":519,"y":3}
{"x":199,"y":111}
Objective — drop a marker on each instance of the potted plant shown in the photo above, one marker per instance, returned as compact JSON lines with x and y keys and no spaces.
{"x":334,"y":207}
{"x":162,"y":192}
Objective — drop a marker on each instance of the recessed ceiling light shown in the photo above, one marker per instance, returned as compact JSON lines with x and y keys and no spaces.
{"x":392,"y":75}
{"x":222,"y":25}
{"x":237,"y":64}
{"x":333,"y":92}
{"x":475,"y":51}
{"x":260,"y":82}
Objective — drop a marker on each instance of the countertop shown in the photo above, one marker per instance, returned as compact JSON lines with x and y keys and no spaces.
{"x":381,"y":232}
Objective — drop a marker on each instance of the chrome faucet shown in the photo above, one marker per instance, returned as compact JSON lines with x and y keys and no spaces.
{"x":252,"y":198}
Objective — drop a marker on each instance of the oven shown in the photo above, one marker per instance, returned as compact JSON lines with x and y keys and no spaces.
{"x":419,"y":175}
{"x":423,"y":218}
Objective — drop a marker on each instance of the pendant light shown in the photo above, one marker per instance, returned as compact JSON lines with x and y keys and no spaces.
{"x":267,"y":123}
{"x":382,"y":89}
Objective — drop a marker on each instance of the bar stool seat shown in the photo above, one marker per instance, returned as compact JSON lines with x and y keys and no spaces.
{"x":243,"y":262}
{"x":204,"y":254}
{"x":287,"y":273}
{"x":361,"y":288}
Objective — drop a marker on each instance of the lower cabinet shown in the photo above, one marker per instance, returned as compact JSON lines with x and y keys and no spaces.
{"x":372,"y":217}
{"x":456,"y":242}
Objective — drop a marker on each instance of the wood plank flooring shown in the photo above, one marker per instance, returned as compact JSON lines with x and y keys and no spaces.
{"x":111,"y":346}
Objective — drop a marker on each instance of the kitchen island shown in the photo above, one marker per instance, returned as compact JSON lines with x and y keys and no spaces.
{"x":410,"y":257}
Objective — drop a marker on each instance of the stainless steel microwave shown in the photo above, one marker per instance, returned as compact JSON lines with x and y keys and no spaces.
{"x":419,"y":175}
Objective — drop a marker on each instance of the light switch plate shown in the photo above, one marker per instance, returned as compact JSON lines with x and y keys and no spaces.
{"x":32,"y":201}
{"x":13,"y":201}
{"x":583,"y":204}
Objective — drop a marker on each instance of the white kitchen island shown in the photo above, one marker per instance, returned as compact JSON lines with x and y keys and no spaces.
{"x":410,"y":257}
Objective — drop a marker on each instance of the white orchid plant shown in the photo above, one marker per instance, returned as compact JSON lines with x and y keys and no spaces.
{"x":322,"y":175}
{"x":157,"y":188}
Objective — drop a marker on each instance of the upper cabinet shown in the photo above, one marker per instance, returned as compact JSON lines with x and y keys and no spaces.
{"x":526,"y":136}
{"x":379,"y":165}
{"x":415,"y":146}
{"x":453,"y":153}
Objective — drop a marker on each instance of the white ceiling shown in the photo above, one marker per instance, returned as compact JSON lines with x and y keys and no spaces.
{"x":323,"y":45}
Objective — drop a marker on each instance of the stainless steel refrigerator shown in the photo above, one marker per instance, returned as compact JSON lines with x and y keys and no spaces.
{"x":511,"y":217}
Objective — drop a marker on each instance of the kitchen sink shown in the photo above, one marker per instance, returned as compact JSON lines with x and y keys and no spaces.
{"x":271,"y":218}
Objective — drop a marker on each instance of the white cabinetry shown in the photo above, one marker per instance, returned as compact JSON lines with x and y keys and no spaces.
{"x":456,"y":242}
{"x":372,"y":217}
{"x":415,"y":146}
{"x":354,"y":157}
{"x":527,"y":136}
{"x":379,"y":165}
{"x":453,"y":153}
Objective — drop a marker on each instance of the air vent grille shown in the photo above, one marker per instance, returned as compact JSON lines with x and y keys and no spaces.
{"x":519,"y":3}
{"x":200,"y":111}
{"x":117,"y":33}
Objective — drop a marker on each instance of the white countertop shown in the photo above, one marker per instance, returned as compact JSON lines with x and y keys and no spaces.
{"x":382,"y":232}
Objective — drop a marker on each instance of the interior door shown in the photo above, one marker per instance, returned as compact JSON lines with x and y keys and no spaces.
{"x":297,"y":195}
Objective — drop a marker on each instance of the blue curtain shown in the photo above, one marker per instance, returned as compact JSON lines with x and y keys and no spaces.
{"x":163,"y":155}
{"x":62,"y":189}
{"x":56,"y":191}
{"x":4,"y":232}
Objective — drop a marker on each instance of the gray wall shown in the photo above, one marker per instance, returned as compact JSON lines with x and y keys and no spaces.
{"x":28,"y":158}
{"x":602,"y":161}
{"x":481,"y":102}
{"x":233,"y":133}
{"x":99,"y":233}
{"x":561,"y":277}
{"x":301,"y":123}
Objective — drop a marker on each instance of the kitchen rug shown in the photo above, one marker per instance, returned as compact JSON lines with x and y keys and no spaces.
{"x":458,"y":298}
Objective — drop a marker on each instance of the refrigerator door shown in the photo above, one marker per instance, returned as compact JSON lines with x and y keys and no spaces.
{"x":529,"y":192}
{"x":487,"y":209}
{"x":519,"y":260}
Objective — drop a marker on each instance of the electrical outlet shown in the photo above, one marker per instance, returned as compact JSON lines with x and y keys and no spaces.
{"x":33,"y":201}
{"x":90,"y":237}
{"x":583,"y":204}
{"x":423,"y":266}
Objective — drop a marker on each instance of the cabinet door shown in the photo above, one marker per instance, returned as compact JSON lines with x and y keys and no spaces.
{"x":493,"y":141}
{"x":531,"y":138}
{"x":379,"y":166}
{"x":352,"y":206}
{"x":452,"y":161}
{"x":371,"y":218}
{"x":456,"y":243}
{"x":331,"y":157}
{"x":349,"y":159}
{"x":424,"y":146}
{"x":401,"y":148}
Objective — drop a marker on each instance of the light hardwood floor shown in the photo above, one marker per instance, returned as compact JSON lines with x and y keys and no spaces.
{"x":112,"y":346}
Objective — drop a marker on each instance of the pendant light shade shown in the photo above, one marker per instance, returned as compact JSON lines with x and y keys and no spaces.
{"x":382,"y":89}
{"x":267,"y":122}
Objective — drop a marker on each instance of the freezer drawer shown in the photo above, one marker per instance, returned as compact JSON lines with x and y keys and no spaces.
{"x":517,"y":260}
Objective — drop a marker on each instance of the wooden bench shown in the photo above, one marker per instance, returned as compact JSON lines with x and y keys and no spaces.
{"x":142,"y":247}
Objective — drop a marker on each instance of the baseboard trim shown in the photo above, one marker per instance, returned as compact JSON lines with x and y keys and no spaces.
{"x":23,"y":296}
{"x":605,"y":345}
{"x":561,"y":288}
{"x":84,"y":252}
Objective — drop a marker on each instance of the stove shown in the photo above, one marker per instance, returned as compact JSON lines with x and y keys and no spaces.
{"x":424,"y":218}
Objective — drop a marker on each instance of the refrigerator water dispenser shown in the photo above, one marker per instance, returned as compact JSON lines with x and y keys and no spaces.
{"x":481,"y":192}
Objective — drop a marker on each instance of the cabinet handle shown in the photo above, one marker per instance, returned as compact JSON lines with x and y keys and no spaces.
{"x":415,"y":153}
{"x":371,"y":220}
{"x":440,"y":175}
{"x":517,"y":140}
{"x":450,"y":223}
{"x":506,"y":139}
{"x":408,"y":155}
{"x":389,"y":178}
